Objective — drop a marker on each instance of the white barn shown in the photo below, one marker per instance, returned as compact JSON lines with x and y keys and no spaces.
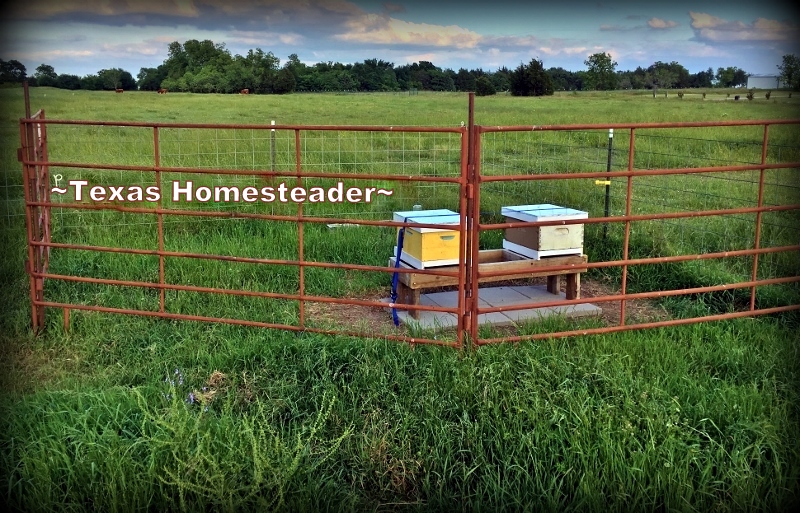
{"x":764,"y":82}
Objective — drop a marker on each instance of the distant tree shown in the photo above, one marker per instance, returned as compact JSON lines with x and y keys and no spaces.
{"x":564,"y":80}
{"x":376,"y":75}
{"x":177,"y":61}
{"x":484,"y":86}
{"x":260,"y":69}
{"x":12,"y":71}
{"x":702,"y":79}
{"x":66,"y":81}
{"x":601,"y":72}
{"x":661,"y":75}
{"x":531,"y":80}
{"x":731,"y":77}
{"x":111,"y":77}
{"x":442,"y":81}
{"x":790,"y":71}
{"x":149,"y":79}
{"x":739,"y":77}
{"x":92,"y":83}
{"x":45,"y":75}
{"x":639,"y":78}
{"x":465,"y":80}
{"x":117,"y":78}
{"x":297,"y":68}
{"x":284,"y":81}
{"x":501,"y":79}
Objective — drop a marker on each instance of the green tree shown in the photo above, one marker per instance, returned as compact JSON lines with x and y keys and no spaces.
{"x":177,"y":61}
{"x":45,"y":75}
{"x":442,"y":81}
{"x":661,"y":76}
{"x":484,"y":86}
{"x":465,"y":81}
{"x":260,"y":70}
{"x":790,"y":71}
{"x":731,"y":77}
{"x":501,"y":79}
{"x":66,"y":81}
{"x":92,"y":83}
{"x":601,"y":72}
{"x":12,"y":71}
{"x":296,"y":66}
{"x":284,"y":81}
{"x":117,"y":78}
{"x":149,"y":79}
{"x":531,"y":80}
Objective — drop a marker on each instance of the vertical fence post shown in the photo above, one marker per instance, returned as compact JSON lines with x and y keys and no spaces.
{"x":626,"y":242}
{"x":463,"y":251}
{"x":300,"y":255}
{"x":160,"y":219}
{"x":474,"y":218}
{"x":24,"y":155}
{"x":272,"y":146}
{"x":608,"y":181}
{"x":757,"y":244}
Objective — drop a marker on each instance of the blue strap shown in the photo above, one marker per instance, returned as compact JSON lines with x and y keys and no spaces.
{"x":396,"y":275}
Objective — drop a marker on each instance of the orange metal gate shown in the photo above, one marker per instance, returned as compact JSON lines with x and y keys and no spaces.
{"x":474,"y":167}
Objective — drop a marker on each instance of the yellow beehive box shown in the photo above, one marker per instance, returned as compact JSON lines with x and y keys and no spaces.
{"x":543,"y":241}
{"x":429,"y":247}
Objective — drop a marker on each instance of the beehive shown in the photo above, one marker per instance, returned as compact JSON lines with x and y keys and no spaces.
{"x":429,"y":247}
{"x":543,"y":241}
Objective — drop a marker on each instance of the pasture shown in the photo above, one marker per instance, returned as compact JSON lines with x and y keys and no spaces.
{"x":129,"y":413}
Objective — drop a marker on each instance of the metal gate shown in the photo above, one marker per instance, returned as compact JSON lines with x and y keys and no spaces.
{"x":472,"y":168}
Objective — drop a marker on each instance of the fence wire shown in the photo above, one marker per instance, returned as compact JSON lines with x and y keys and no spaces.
{"x":549,"y":152}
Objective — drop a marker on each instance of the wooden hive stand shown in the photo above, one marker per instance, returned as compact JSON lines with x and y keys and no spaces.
{"x":411,"y":285}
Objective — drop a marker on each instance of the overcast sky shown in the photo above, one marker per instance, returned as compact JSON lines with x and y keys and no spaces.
{"x":84,"y":36}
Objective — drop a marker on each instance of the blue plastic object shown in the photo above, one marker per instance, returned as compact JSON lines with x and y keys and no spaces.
{"x":396,"y":275}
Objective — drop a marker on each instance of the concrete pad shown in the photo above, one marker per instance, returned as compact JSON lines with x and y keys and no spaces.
{"x":493,"y":297}
{"x":501,"y":296}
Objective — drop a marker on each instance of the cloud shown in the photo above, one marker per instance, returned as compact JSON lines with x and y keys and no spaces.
{"x":260,"y":37}
{"x":384,"y":30}
{"x":713,"y":29}
{"x":390,"y":7}
{"x":652,"y":23}
{"x":54,"y":54}
{"x":147,"y":47}
{"x":510,"y":41}
{"x":658,"y":23}
{"x":35,"y":9}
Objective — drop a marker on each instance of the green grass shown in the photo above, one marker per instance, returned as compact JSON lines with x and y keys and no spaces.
{"x":694,"y":418}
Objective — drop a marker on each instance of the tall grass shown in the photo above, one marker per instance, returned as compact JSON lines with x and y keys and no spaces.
{"x":129,"y":413}
{"x":694,"y":419}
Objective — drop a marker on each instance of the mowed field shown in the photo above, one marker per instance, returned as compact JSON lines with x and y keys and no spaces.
{"x":127,"y":413}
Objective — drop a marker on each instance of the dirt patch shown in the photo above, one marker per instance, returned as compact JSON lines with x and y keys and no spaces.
{"x":637,"y":311}
{"x":364,"y":319}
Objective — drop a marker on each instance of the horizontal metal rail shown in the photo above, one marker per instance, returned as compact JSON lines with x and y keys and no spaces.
{"x":466,"y":176}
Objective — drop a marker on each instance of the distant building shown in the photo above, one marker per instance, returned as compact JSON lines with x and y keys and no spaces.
{"x":764,"y":82}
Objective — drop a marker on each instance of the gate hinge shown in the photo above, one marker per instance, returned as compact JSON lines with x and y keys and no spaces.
{"x":470,"y":191}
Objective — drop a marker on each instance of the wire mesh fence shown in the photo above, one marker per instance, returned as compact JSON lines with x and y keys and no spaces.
{"x":237,"y":222}
{"x":586,"y":151}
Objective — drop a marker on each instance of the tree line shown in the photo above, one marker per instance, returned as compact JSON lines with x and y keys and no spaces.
{"x":205,"y":67}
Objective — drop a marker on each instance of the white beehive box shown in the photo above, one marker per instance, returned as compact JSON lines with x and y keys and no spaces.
{"x":543,"y":241}
{"x":429,"y":247}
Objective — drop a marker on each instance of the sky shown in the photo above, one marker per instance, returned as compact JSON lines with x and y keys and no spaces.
{"x":83,"y":36}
